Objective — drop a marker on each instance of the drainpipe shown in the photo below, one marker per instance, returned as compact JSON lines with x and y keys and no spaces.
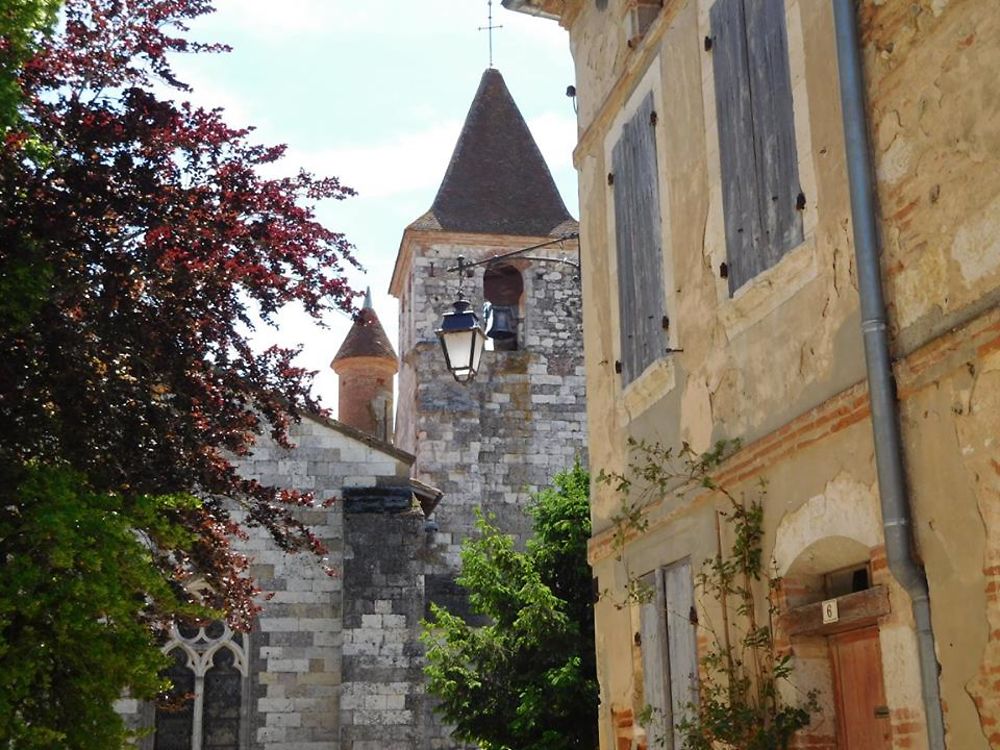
{"x":881,"y":382}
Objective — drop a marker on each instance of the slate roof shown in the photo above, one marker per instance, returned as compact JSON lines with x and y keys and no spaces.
{"x":367,"y":337}
{"x":497,"y":181}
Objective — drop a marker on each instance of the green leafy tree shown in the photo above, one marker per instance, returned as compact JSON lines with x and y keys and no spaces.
{"x":77,"y":590}
{"x":527,"y":679}
{"x":21,"y":24}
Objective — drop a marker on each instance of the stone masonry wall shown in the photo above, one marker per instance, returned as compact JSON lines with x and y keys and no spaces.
{"x":301,"y":626}
{"x":296,"y":657}
{"x":488,"y":444}
{"x":382,"y":696}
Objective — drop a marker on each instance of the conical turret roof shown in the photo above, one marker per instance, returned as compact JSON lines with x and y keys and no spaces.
{"x":497,"y":181}
{"x":366,"y":338}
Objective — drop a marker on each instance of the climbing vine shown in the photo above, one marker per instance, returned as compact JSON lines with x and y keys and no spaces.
{"x":740,"y":704}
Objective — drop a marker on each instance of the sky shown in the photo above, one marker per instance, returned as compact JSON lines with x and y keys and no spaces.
{"x":375,"y":94}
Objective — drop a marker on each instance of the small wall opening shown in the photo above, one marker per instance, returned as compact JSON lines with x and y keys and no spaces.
{"x":503,"y":288}
{"x":827,"y":568}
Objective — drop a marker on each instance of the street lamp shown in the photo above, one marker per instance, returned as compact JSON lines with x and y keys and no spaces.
{"x":462,"y":340}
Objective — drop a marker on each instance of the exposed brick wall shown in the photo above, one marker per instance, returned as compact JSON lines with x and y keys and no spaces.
{"x":365,"y":395}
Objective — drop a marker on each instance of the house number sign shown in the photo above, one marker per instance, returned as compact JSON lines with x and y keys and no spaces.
{"x":830,"y":613}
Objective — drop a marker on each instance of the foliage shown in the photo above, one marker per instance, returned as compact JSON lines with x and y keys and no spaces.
{"x":740,"y":704}
{"x":21,"y":24}
{"x":527,"y":679}
{"x":138,"y":243}
{"x":655,"y":471}
{"x":77,"y":594}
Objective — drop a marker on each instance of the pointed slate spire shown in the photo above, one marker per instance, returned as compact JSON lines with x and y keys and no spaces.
{"x":367,"y":337}
{"x":497,"y":181}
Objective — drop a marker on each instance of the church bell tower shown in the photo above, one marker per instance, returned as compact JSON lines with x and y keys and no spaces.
{"x":492,"y":442}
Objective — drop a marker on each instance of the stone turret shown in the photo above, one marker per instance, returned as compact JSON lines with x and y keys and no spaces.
{"x":365,"y":365}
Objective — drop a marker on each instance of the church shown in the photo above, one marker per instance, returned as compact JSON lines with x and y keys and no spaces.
{"x":334,"y":661}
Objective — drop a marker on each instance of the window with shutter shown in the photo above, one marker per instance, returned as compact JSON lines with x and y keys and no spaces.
{"x":758,"y":154}
{"x":636,"y":197}
{"x":669,"y":651}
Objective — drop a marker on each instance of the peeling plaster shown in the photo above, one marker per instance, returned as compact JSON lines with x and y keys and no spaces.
{"x":846,"y":508}
{"x":977,"y":245}
{"x":895,"y":161}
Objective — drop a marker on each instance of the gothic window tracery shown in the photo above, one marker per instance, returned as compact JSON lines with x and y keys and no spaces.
{"x":205,"y":708}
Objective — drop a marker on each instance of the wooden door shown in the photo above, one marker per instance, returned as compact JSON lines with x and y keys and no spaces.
{"x":862,"y":717}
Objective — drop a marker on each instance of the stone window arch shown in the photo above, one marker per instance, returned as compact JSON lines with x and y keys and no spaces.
{"x":503,"y":288}
{"x":207,"y":707}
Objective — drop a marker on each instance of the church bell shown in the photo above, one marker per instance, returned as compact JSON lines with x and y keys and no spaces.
{"x":503,"y":323}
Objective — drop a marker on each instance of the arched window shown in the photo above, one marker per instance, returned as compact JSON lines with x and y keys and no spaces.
{"x":205,"y":709}
{"x":503,"y":288}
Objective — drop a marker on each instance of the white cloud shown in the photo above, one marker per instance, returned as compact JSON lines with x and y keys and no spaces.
{"x":411,"y":161}
{"x":555,"y":135}
{"x":268,"y":17}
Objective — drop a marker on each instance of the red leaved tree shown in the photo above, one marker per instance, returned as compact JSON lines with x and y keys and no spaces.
{"x":138,"y":243}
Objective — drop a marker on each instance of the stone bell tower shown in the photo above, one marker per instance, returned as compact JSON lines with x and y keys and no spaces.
{"x":492,"y":442}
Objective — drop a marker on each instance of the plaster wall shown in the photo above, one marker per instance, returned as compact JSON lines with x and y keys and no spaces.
{"x":779,"y":364}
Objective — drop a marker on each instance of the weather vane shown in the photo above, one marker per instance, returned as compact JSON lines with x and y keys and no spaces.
{"x":489,"y":27}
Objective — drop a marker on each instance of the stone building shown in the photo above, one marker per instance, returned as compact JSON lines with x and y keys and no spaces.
{"x":335,"y":662}
{"x":738,"y":235}
{"x":490,"y":443}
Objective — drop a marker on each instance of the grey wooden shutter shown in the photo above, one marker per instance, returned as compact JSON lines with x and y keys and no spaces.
{"x":758,"y":155}
{"x":682,"y":642}
{"x":656,"y":660}
{"x":774,"y":128}
{"x":638,"y":243}
{"x":736,"y":145}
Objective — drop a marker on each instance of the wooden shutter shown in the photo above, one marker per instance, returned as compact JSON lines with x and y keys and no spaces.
{"x":682,"y":642}
{"x":774,"y":128}
{"x":758,"y":155}
{"x":638,"y":243}
{"x":656,"y":660}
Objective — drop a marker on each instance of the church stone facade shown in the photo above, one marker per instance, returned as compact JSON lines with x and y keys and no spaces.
{"x":334,"y":662}
{"x":490,"y":443}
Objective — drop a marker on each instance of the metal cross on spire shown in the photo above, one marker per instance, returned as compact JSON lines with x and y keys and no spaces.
{"x":490,"y":27}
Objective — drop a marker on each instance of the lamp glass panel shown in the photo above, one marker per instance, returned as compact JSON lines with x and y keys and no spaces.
{"x":477,"y":348}
{"x":458,"y":347}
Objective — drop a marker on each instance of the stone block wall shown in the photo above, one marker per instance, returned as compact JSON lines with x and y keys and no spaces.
{"x":491,"y":443}
{"x":304,"y":651}
{"x":382,"y":695}
{"x":300,"y":635}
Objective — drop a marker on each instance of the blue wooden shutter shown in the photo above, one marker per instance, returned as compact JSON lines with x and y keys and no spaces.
{"x":638,"y":241}
{"x":758,"y":154}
